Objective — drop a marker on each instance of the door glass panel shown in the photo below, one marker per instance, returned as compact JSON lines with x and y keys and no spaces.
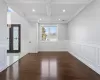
{"x":15,"y":38}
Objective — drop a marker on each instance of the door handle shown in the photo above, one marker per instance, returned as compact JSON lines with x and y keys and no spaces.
{"x":29,"y":41}
{"x":7,"y":38}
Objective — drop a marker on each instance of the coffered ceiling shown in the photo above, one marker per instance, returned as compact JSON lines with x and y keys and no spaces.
{"x":48,"y":11}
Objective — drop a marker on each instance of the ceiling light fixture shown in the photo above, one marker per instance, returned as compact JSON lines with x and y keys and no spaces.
{"x":40,"y":19}
{"x":64,"y":10}
{"x":33,"y":10}
{"x":59,"y":19}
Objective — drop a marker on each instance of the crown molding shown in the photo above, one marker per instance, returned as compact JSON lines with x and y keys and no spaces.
{"x":50,"y":1}
{"x":79,"y":11}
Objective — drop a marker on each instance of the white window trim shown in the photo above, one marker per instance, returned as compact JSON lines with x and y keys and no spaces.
{"x":41,"y":33}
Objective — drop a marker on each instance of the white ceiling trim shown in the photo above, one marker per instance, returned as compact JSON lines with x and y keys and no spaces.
{"x":40,"y":2}
{"x":44,"y":2}
{"x":52,"y":22}
{"x":48,"y":7}
{"x":69,"y":2}
{"x":79,"y":11}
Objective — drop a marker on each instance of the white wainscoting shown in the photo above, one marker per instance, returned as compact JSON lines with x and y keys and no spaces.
{"x":99,"y":58}
{"x":3,"y":52}
{"x":53,"y":46}
{"x":87,"y":53}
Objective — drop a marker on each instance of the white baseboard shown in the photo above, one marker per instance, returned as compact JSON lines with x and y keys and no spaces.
{"x":2,"y":67}
{"x":86,"y":63}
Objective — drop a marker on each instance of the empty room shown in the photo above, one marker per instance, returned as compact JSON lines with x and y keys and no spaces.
{"x":49,"y":39}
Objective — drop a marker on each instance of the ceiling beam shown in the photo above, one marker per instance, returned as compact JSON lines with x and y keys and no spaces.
{"x":48,"y":7}
{"x":72,"y":2}
{"x":40,"y":2}
{"x":69,"y":2}
{"x":50,"y":1}
{"x":56,"y":22}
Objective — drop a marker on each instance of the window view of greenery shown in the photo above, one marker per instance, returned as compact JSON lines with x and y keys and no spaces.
{"x":49,"y":33}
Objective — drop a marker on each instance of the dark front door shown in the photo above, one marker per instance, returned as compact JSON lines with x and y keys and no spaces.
{"x":14,"y":39}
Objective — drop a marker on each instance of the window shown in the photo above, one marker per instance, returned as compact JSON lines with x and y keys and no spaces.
{"x":10,"y":10}
{"x":49,"y":33}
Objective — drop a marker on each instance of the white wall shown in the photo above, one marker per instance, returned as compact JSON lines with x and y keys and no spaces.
{"x":28,"y":33}
{"x":84,"y":36}
{"x":59,"y":45}
{"x":3,"y":34}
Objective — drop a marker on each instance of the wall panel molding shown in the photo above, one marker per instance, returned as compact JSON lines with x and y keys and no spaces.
{"x":99,"y":57}
{"x":87,"y":53}
{"x":3,"y":53}
{"x":59,"y":45}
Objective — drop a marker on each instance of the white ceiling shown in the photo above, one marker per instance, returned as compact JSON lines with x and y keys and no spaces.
{"x":50,"y":11}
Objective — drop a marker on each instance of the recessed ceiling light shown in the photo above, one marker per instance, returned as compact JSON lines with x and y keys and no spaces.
{"x":64,"y":10}
{"x":40,"y":19}
{"x":33,"y":10}
{"x":59,"y":19}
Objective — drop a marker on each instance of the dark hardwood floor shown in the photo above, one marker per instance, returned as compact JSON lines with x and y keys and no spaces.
{"x":49,"y":66}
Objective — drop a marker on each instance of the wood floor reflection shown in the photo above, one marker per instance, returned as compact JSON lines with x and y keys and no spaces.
{"x":49,"y":66}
